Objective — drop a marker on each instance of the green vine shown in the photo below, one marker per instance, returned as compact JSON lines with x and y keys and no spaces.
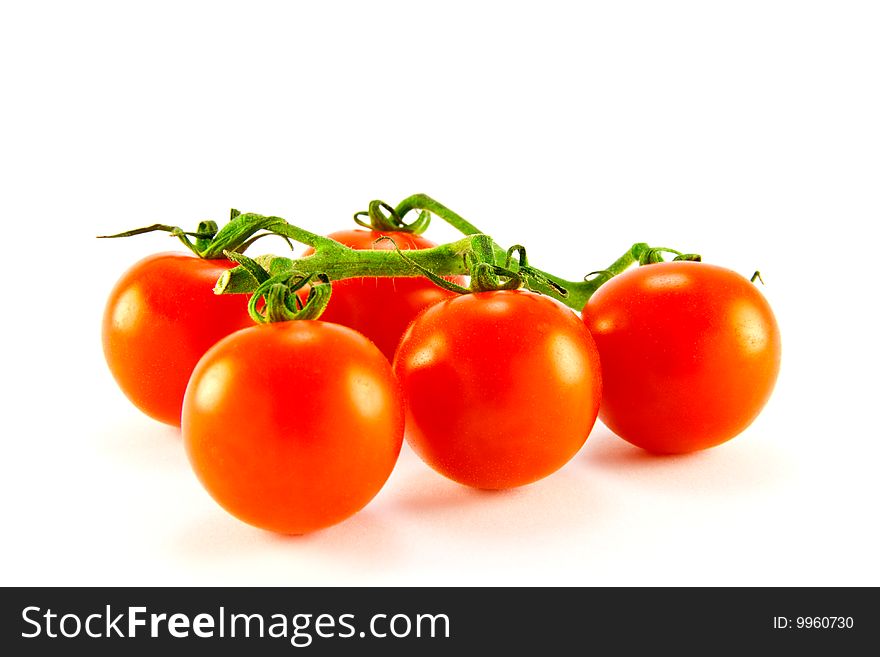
{"x":489,"y":265}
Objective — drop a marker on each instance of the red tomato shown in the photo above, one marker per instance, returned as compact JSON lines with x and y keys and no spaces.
{"x":293,"y":426}
{"x":381,"y":308}
{"x":689,"y":351}
{"x":502,"y":388}
{"x":162,"y":316}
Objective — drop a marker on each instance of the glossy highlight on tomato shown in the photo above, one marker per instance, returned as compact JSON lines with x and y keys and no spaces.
{"x":382,"y":308}
{"x":690,"y":353}
{"x":160,"y":319}
{"x":501,"y":388}
{"x":293,"y":426}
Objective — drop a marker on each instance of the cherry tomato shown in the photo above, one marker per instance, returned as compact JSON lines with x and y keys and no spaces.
{"x":501,"y":388}
{"x":293,"y":426}
{"x":690,"y":353}
{"x":381,"y":308}
{"x":162,"y":316}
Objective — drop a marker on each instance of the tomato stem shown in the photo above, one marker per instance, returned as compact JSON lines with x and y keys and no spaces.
{"x":476,"y":255}
{"x":439,"y":281}
{"x":426,"y":203}
{"x":574,"y":294}
{"x":453,"y":259}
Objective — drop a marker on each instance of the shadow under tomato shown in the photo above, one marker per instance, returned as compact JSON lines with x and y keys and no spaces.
{"x":559,"y":502}
{"x":430,"y":492}
{"x":364,"y":542}
{"x":416,"y":507}
{"x":739,"y":466}
{"x":365,"y":537}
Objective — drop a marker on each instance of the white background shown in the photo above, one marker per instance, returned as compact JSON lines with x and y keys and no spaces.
{"x":747,"y":131}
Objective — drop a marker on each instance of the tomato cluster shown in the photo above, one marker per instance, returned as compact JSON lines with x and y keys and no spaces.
{"x":296,"y":425}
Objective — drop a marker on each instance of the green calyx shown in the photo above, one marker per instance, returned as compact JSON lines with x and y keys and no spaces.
{"x":209,"y":241}
{"x":383,"y":218}
{"x":282,"y":303}
{"x":654,"y":255}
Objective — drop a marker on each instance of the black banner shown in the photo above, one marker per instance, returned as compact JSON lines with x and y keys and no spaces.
{"x":433,"y":621}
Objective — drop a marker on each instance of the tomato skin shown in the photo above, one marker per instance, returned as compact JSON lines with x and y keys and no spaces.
{"x":501,"y":388}
{"x":382,"y":308}
{"x":293,"y":426}
{"x":690,"y":354}
{"x":161,"y":317}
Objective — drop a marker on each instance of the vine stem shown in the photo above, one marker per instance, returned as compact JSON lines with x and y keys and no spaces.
{"x":337,"y":262}
{"x":425,"y":202}
{"x":579,"y":292}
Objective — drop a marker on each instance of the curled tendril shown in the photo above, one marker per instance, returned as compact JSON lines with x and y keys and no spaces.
{"x":383,"y":217}
{"x":208,"y":230}
{"x":282,"y":303}
{"x":654,"y":254}
{"x":651,"y":256}
{"x":253,"y":239}
{"x":277,"y":307}
{"x":520,"y":250}
{"x":487,"y":277}
{"x":527,"y":272}
{"x":486,"y":274}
